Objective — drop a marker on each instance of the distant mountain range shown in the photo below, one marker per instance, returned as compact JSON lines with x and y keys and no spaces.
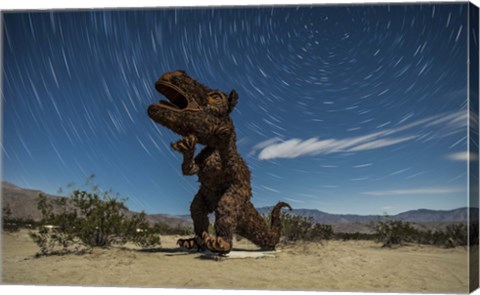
{"x":23,"y":204}
{"x":421,"y":218}
{"x":420,"y":215}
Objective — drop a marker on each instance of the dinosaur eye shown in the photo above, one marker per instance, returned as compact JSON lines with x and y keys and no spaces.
{"x":216,"y":95}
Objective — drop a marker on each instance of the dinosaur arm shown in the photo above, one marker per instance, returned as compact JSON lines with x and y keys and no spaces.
{"x":186,"y":146}
{"x":189,"y":167}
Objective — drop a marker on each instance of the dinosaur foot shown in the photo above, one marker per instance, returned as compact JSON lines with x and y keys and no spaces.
{"x":192,"y":243}
{"x":216,"y":244}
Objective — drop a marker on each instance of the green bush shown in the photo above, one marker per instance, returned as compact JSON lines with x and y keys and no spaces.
{"x":394,"y":232}
{"x":8,"y":224}
{"x":138,"y":230}
{"x":457,"y":235}
{"x":356,"y":236}
{"x":87,"y":220}
{"x":298,"y":228}
{"x":164,"y":229}
{"x":11,"y":224}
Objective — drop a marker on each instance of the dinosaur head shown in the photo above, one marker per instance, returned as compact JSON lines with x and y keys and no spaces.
{"x":193,"y":108}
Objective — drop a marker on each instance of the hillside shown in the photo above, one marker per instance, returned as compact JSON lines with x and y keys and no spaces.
{"x":23,"y":204}
{"x":350,"y":223}
{"x":21,"y":201}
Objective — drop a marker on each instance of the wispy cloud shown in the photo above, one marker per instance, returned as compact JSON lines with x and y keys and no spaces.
{"x":376,"y":144}
{"x":274,"y":148}
{"x":415,"y":191}
{"x":462,"y":156}
{"x":363,"y":165}
{"x":264,"y":144}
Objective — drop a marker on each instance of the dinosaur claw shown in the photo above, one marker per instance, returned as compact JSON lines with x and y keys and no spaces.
{"x":187,"y":243}
{"x":216,"y":244}
{"x":186,"y":144}
{"x":175,"y":146}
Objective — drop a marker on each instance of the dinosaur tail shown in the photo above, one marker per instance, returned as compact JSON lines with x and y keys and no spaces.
{"x":256,"y":229}
{"x":276,"y":222}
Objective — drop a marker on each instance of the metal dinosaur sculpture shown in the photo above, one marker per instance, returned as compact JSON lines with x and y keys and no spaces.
{"x":202,"y":116}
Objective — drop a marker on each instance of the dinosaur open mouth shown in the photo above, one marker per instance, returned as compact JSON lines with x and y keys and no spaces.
{"x":176,"y":99}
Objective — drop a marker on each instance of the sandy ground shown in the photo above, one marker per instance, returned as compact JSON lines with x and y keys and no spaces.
{"x":331,"y":266}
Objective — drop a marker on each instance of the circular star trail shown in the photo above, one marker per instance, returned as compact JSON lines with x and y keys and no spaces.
{"x":354,"y":109}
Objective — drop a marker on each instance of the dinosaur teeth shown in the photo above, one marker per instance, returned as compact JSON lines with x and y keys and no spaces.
{"x":168,"y":104}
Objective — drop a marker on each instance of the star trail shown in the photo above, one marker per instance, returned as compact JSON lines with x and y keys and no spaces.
{"x":346,"y":109}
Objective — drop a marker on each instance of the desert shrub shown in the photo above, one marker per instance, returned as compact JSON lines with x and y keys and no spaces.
{"x":87,"y":220}
{"x":165,"y":229}
{"x":8,"y":224}
{"x":11,"y":224}
{"x":52,"y":240}
{"x":298,"y":228}
{"x":354,"y":236}
{"x":457,"y":235}
{"x":453,"y":235}
{"x":99,"y":221}
{"x":139,"y":231}
{"x":394,"y":232}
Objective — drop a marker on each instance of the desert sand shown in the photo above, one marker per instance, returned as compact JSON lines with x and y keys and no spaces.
{"x":330,"y":266}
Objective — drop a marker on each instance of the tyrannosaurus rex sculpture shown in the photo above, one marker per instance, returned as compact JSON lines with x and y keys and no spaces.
{"x":202,"y":116}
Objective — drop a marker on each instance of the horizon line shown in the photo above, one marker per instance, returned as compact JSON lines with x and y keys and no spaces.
{"x":3,"y":181}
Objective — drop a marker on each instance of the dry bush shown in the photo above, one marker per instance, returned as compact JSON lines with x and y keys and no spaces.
{"x":298,"y":228}
{"x":87,"y":220}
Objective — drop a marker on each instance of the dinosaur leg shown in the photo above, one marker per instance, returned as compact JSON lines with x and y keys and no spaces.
{"x":199,"y":213}
{"x":227,"y":215}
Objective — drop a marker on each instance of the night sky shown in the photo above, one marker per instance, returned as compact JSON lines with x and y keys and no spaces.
{"x":345,"y":109}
